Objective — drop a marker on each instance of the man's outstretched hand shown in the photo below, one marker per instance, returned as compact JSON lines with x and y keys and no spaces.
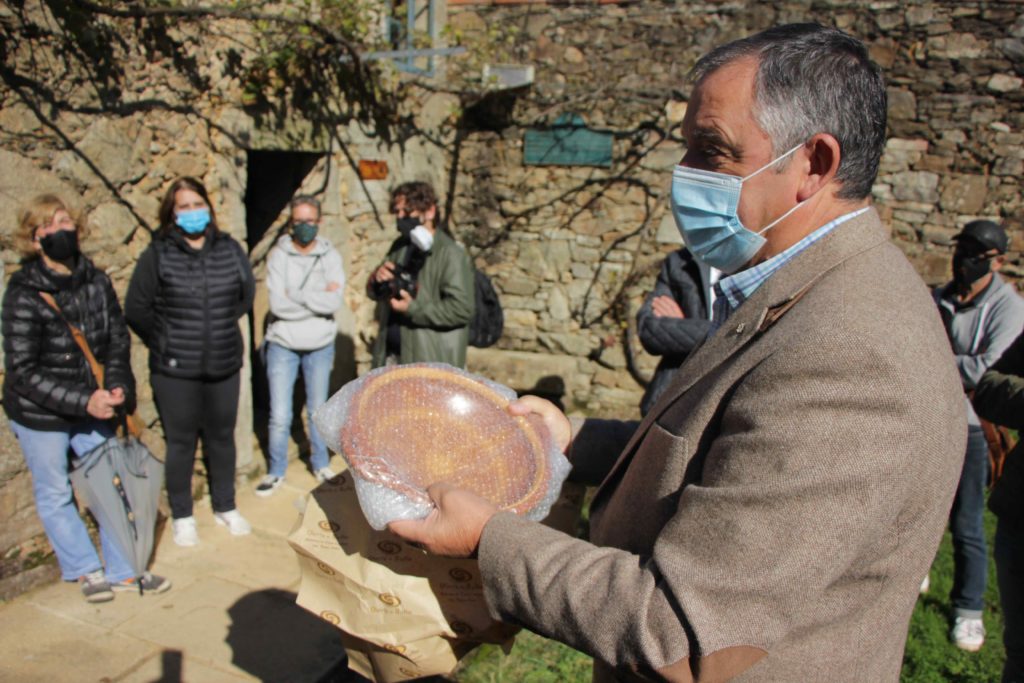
{"x":453,"y":527}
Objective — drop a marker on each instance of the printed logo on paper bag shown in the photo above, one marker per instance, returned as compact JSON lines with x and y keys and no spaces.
{"x":461,"y":628}
{"x":325,"y":569}
{"x":389,"y":547}
{"x":389,"y":599}
{"x":397,"y":649}
{"x":328,"y":525}
{"x":330,"y":617}
{"x":460,"y":575}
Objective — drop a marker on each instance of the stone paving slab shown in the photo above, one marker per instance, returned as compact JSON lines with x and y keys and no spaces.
{"x":169,"y":666}
{"x":39,"y":645}
{"x":230,"y":615}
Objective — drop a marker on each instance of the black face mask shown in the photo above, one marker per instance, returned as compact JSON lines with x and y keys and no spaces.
{"x":969,"y":269}
{"x":406,"y":225}
{"x":60,"y":245}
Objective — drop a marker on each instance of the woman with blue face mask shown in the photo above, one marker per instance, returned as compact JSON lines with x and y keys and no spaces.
{"x":189,"y":290}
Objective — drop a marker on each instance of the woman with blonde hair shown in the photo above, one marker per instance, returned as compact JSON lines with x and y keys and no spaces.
{"x":50,"y":394}
{"x":188,"y":291}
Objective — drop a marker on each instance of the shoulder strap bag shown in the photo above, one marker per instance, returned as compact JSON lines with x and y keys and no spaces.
{"x":133,"y":424}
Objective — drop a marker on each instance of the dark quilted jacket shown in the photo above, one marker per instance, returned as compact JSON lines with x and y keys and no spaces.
{"x":673,"y":338}
{"x":999,"y":398}
{"x":48,"y":381}
{"x":185,"y":304}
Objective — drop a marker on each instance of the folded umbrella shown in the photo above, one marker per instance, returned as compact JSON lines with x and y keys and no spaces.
{"x":119,"y":481}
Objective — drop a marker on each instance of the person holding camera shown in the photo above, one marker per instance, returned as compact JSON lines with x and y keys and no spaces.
{"x":306,"y":284}
{"x":424,"y":288}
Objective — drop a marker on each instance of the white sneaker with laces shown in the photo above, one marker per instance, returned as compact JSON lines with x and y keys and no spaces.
{"x":968,"y":633}
{"x":324,"y":474}
{"x":234,"y":521}
{"x":184,"y":529}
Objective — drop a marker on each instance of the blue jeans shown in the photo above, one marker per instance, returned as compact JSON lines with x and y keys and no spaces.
{"x":970,"y":554}
{"x":282,"y":370}
{"x":1009,"y":554}
{"x":46,"y":454}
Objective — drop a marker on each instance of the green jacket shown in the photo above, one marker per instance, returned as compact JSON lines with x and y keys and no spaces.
{"x":999,"y":398}
{"x":435,"y":329}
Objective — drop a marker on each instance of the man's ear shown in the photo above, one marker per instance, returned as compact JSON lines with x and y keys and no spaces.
{"x":823,"y":157}
{"x":431,"y":213}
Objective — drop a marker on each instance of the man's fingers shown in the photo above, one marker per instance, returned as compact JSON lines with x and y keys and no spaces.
{"x":553,"y":418}
{"x":437,"y":490}
{"x":525,"y":405}
{"x":409,"y":529}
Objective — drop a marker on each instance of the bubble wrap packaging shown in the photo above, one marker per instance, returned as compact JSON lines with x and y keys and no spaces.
{"x":405,"y":427}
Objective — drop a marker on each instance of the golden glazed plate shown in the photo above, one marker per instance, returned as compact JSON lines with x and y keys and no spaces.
{"x":411,"y":426}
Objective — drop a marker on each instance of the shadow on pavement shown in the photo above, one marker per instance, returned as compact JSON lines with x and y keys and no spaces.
{"x":273,"y":639}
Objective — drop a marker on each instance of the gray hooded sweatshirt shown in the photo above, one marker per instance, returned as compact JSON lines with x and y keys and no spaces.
{"x":301,"y":308}
{"x":981,"y":330}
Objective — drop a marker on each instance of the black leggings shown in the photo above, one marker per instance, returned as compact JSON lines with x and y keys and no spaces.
{"x":190,"y":409}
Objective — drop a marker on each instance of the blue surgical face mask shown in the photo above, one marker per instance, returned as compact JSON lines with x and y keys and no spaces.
{"x":193,"y":222}
{"x":704,"y":204}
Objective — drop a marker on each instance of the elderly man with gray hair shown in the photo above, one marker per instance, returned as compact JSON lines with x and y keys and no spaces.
{"x":772,"y":516}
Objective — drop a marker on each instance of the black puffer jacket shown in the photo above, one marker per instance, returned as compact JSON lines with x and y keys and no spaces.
{"x":48,"y":381}
{"x":673,"y":338}
{"x":185,"y":304}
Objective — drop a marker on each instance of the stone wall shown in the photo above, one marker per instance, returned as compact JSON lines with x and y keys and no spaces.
{"x":575,"y":249}
{"x":572,"y":251}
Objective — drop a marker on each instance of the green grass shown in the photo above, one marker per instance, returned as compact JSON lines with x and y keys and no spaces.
{"x":930,"y":656}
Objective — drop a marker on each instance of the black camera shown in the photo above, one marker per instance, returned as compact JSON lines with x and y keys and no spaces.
{"x":404,"y":280}
{"x":406,"y":274}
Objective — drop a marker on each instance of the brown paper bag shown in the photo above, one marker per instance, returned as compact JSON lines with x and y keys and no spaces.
{"x":404,"y":613}
{"x":427,"y":657}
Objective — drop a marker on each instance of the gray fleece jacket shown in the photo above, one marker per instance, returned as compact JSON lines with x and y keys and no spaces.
{"x":980,"y":331}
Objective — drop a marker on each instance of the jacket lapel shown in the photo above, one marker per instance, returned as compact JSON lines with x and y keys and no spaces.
{"x":769,"y":303}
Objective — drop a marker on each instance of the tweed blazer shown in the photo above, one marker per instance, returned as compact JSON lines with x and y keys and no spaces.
{"x":773,"y":515}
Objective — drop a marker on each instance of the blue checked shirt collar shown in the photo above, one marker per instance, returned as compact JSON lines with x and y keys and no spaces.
{"x":732,"y":291}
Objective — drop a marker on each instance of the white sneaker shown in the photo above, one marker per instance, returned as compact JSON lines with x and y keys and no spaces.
{"x":234,"y":521}
{"x":324,"y":474}
{"x":184,"y":529}
{"x":268,"y":485}
{"x":968,"y":634}
{"x":925,"y":585}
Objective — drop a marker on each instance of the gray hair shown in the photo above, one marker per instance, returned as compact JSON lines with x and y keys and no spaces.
{"x":304,"y":200}
{"x":812,"y":79}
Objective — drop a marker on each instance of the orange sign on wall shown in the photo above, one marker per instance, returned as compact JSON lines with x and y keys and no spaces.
{"x":373,"y":170}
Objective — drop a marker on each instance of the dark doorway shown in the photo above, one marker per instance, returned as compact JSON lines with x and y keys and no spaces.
{"x":273,"y":179}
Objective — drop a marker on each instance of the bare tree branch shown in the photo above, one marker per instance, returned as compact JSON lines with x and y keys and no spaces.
{"x":206,"y":12}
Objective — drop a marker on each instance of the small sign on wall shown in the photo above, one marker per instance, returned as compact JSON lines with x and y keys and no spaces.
{"x":567,"y":143}
{"x":370,"y":169}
